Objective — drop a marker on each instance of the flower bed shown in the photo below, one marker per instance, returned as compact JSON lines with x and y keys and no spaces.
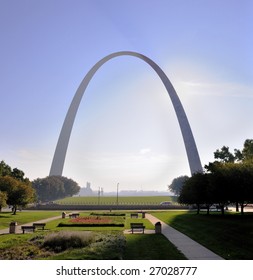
{"x":93,"y":221}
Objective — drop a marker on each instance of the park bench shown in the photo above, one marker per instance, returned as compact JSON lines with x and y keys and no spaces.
{"x":27,"y":228}
{"x":73,"y":215}
{"x":134,"y":215}
{"x":137,"y":226}
{"x":39,"y":225}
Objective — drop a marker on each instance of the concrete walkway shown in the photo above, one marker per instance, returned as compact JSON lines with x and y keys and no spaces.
{"x":190,"y":248}
{"x":18,"y":229}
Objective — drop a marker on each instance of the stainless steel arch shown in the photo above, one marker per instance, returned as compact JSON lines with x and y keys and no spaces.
{"x":62,"y":145}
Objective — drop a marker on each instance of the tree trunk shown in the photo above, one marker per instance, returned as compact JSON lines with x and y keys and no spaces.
{"x":237,"y":206}
{"x":222,"y":210}
{"x":208,"y":210}
{"x":198,"y":208}
{"x":14,"y":210}
{"x":242,"y":207}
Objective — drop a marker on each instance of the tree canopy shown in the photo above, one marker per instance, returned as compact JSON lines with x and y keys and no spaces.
{"x":3,"y":199}
{"x":227,"y":180}
{"x":177,"y":184}
{"x":54,"y":187}
{"x":246,"y":154}
{"x":15,"y":188}
{"x":6,"y":170}
{"x":17,"y":193}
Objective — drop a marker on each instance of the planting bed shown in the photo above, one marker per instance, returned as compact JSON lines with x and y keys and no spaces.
{"x":94,"y":221}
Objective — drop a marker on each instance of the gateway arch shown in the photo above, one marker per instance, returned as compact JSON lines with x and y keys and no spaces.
{"x":63,"y":141}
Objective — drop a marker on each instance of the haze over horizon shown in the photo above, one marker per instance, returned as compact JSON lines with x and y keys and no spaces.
{"x":126,"y":129}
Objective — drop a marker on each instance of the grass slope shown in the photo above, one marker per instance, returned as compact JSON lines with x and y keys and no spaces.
{"x":230,"y":236}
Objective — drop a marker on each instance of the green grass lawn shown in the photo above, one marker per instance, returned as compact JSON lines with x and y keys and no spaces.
{"x":110,"y":242}
{"x":230,"y":236}
{"x":23,"y":217}
{"x":82,"y":200}
{"x":150,"y":247}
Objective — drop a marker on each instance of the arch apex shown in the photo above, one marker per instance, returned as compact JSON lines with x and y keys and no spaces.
{"x":63,"y":140}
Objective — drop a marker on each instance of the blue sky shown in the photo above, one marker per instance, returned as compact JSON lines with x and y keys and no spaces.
{"x":126,"y":130}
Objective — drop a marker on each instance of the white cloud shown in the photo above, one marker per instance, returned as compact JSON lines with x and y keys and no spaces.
{"x":231,"y":89}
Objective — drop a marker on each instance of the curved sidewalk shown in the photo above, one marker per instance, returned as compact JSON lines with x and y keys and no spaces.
{"x":190,"y":248}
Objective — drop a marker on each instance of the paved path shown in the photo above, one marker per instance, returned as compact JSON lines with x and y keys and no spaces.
{"x":190,"y":248}
{"x":18,"y":230}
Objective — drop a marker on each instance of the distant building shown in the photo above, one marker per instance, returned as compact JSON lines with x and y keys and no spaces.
{"x":86,"y":191}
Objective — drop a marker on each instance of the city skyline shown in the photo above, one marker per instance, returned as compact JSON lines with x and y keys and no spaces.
{"x":126,"y":129}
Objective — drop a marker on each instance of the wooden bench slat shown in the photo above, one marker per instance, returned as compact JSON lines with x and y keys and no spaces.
{"x":137,"y":226}
{"x":29,"y":228}
{"x":73,"y":215}
{"x":39,"y":225}
{"x":134,"y":215}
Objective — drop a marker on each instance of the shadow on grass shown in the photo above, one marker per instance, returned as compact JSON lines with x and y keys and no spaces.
{"x":230,"y":236}
{"x":150,"y":247}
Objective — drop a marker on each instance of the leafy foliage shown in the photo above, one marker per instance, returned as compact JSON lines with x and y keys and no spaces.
{"x":18,"y":193}
{"x":6,"y":170}
{"x":229,"y":180}
{"x":246,"y":154}
{"x":54,"y":187}
{"x":3,"y":199}
{"x":177,"y":184}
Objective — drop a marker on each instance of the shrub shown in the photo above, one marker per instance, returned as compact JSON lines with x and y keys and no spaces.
{"x":67,"y":239}
{"x":109,"y":246}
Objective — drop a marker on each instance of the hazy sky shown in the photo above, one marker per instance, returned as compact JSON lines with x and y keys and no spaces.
{"x":126,"y":130}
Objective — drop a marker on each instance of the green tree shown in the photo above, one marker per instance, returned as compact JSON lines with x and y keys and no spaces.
{"x":247,"y":151}
{"x":219,"y":186}
{"x":3,"y":199}
{"x":241,"y":184}
{"x":246,"y":154}
{"x":224,"y":155}
{"x":5,"y":169}
{"x":54,"y":187}
{"x":177,"y":184}
{"x":18,"y":193}
{"x":195,"y":191}
{"x":70,"y":186}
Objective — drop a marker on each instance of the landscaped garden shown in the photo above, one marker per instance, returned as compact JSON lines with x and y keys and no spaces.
{"x":105,"y":235}
{"x":89,"y":236}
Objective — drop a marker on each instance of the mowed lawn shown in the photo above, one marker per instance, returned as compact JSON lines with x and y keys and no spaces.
{"x":150,"y":247}
{"x":109,"y":241}
{"x":24,"y":217}
{"x":129,"y":200}
{"x":230,"y":236}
